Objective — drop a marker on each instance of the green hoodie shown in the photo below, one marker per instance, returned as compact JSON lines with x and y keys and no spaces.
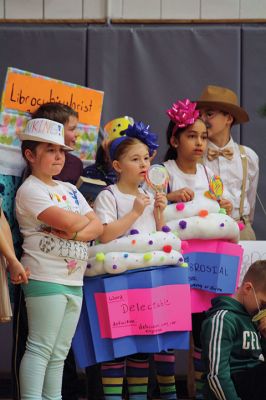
{"x":230,"y":343}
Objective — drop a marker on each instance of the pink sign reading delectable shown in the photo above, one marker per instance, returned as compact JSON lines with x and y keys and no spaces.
{"x":148,"y":311}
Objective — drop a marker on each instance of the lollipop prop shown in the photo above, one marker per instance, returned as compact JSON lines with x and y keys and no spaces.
{"x":216,"y":188}
{"x":261,"y":314}
{"x":157,"y":178}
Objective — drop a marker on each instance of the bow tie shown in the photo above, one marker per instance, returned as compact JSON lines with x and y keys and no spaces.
{"x":227,"y":153}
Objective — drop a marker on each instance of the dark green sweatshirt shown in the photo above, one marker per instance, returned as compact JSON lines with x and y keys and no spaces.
{"x":230,"y":343}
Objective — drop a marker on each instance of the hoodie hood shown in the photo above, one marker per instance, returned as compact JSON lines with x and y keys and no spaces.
{"x":226,"y":303}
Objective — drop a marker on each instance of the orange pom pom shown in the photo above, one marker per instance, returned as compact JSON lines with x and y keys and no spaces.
{"x":203,"y":213}
{"x":133,"y":241}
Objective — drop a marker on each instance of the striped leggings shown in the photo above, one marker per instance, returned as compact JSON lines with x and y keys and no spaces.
{"x":136,"y":370}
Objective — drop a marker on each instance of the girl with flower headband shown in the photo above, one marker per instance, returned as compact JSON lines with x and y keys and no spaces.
{"x":187,"y":138}
{"x":125,"y":208}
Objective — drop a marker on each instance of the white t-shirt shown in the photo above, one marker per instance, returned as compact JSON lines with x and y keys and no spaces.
{"x":198,"y":182}
{"x":50,"y":259}
{"x":231,"y":173}
{"x":112,"y":205}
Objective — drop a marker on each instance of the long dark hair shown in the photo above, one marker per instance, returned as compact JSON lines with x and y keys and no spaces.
{"x":171,"y":153}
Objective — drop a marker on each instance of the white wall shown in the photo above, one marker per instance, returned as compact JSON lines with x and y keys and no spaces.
{"x":132,"y":9}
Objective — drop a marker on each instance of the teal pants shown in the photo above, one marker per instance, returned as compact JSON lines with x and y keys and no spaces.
{"x":52,"y":324}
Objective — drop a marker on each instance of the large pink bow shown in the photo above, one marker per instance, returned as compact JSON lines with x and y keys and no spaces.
{"x":183,"y":113}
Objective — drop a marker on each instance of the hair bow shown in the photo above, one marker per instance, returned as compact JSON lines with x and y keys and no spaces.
{"x":138,"y":131}
{"x":183,"y":113}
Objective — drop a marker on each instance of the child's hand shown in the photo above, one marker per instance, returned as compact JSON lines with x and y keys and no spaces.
{"x":262,"y":326}
{"x":182,"y":195}
{"x":227,"y":205}
{"x":160,"y":202}
{"x":17,"y":272}
{"x":140,"y":203}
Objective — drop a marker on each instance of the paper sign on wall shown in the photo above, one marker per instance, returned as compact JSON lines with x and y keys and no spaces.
{"x":24,"y":92}
{"x":149,"y":311}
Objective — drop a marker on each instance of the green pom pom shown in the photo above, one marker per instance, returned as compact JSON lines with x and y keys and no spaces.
{"x":147,"y":257}
{"x":222,"y":211}
{"x":184,"y":265}
{"x":100,"y":257}
{"x":162,"y":258}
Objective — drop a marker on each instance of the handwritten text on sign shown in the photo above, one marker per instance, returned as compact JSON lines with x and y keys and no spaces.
{"x":150,"y":311}
{"x":26,"y":92}
{"x":213,"y":272}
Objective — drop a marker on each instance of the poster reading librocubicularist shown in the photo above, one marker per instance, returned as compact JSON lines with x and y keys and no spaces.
{"x":24,"y":92}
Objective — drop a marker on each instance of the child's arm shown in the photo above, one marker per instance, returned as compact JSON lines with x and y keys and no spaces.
{"x":185,"y":194}
{"x":90,"y":232}
{"x":118,"y":227}
{"x":17,"y":272}
{"x":217,"y":337}
{"x":62,"y":220}
{"x":159,"y":206}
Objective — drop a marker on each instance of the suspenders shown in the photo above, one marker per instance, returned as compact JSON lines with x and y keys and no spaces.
{"x":244,"y":161}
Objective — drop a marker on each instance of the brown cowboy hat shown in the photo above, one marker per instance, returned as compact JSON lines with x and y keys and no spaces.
{"x":223,"y":99}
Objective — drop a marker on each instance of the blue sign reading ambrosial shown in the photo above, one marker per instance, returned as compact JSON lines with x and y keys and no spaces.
{"x":213,"y":272}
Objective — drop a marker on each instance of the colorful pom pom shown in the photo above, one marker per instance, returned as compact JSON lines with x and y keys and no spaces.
{"x":167,"y":248}
{"x":203,"y":213}
{"x":134,"y":232}
{"x":100,"y":257}
{"x":222,"y":225}
{"x":184,"y":245}
{"x":133,"y":241}
{"x":115,"y":266}
{"x":166,"y":229}
{"x":183,"y":265}
{"x":182,"y":224}
{"x":241,"y":226}
{"x":147,"y":256}
{"x":150,"y":242}
{"x":180,"y":206}
{"x":126,"y":255}
{"x":222,"y":211}
{"x":162,"y":258}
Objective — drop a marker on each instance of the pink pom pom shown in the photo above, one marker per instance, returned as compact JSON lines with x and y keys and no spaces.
{"x":180,"y":206}
{"x":241,"y":226}
{"x":184,"y":245}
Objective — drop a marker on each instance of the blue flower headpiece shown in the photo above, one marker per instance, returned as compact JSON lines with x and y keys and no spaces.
{"x":138,"y":131}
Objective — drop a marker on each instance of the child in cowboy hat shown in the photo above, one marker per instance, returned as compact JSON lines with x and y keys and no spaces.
{"x":237,"y":165}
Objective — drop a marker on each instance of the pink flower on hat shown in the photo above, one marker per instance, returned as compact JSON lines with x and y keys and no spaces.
{"x":183,"y":113}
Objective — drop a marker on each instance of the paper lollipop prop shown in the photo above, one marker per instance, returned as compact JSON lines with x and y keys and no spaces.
{"x":157,"y":178}
{"x":216,"y":188}
{"x":261,"y":314}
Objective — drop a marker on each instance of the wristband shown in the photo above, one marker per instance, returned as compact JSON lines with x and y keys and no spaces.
{"x":75,"y":236}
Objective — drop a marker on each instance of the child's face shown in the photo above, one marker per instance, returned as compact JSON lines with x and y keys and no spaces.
{"x":218,"y":123}
{"x":47,"y":160}
{"x":70,"y":131}
{"x":192,"y":142}
{"x":253,"y":300}
{"x":133,"y":165}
